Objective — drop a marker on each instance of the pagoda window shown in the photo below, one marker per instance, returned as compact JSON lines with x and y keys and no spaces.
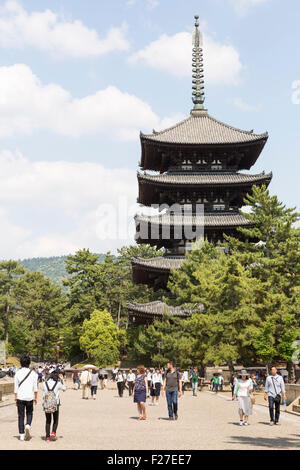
{"x":216,"y":167}
{"x":219,"y":207}
{"x":187,"y":167}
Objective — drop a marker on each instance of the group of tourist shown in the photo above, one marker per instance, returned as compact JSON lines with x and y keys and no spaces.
{"x":26,"y":395}
{"x":150,"y":383}
{"x":243,"y":386}
{"x":143,"y":384}
{"x":89,"y":379}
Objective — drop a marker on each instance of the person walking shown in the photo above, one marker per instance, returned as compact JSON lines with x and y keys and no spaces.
{"x":215,"y":383}
{"x":26,"y":394}
{"x":141,"y":392}
{"x":149,"y":378}
{"x":76,"y":381}
{"x":185,"y":380}
{"x":173,"y":388}
{"x":242,"y":391}
{"x":130,"y":381}
{"x":86,"y":381}
{"x":274,"y":388}
{"x":120,"y":383}
{"x":114,"y":373}
{"x":233,"y":382}
{"x":221,"y":382}
{"x":94,"y":384}
{"x":194,"y":380}
{"x":51,"y":389}
{"x":156,"y":384}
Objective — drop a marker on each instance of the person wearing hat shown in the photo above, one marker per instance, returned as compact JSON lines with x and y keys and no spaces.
{"x":242,"y":391}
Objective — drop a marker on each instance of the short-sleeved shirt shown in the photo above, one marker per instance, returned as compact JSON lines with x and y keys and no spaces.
{"x":172,"y":381}
{"x":195,"y":377}
{"x":95,"y":378}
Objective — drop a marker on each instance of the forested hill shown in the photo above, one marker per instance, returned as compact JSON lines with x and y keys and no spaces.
{"x":54,"y":267}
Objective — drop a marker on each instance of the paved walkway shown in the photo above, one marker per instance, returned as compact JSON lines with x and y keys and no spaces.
{"x":205,"y":422}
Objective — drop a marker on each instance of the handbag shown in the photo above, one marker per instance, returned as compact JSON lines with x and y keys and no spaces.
{"x":277,"y":398}
{"x":253,"y":399}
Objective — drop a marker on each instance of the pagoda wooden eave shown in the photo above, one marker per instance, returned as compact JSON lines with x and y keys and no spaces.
{"x":150,"y":186}
{"x":152,"y":157}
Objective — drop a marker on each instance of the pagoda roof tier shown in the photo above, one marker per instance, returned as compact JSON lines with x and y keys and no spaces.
{"x":148,"y":312}
{"x":227,"y":219}
{"x":150,"y":186}
{"x":200,"y":130}
{"x":167,"y":230}
{"x":205,"y":179}
{"x":160,"y":263}
{"x":154,"y":272}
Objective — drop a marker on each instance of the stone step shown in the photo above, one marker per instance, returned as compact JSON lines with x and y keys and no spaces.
{"x":296,"y":408}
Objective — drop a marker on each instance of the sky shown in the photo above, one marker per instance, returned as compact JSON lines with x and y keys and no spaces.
{"x":80,"y":80}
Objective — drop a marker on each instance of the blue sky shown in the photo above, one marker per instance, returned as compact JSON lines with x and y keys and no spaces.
{"x":78,"y":80}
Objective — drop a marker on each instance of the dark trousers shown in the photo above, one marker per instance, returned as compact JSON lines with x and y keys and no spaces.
{"x":172,"y":400}
{"x":120,"y":386}
{"x":130,"y":388}
{"x":49,"y":416}
{"x":94,"y":390}
{"x":273,"y":403}
{"x":22,"y":407}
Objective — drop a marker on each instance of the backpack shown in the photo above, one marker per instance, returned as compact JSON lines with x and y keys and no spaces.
{"x":50,"y":402}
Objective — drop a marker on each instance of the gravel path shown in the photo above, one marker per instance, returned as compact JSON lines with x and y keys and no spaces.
{"x":205,"y":422}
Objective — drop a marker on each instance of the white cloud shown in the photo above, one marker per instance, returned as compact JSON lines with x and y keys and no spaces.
{"x":27,"y":105}
{"x":243,"y":106}
{"x":52,"y":33}
{"x":75,"y":192}
{"x":173,"y":54}
{"x":242,"y":6}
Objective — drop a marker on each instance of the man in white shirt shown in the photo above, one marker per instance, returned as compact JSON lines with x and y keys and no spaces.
{"x":26,"y":391}
{"x":274,"y":388}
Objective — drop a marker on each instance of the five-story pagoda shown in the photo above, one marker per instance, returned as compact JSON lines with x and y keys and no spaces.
{"x":198,"y":162}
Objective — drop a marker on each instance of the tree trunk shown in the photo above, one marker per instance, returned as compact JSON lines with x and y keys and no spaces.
{"x":6,"y":322}
{"x":119,"y":314}
{"x":7,"y":312}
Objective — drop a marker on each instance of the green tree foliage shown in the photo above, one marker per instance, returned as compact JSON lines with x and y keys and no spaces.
{"x":42,"y":306}
{"x":182,"y":341}
{"x":102,"y":285}
{"x":250,"y":295}
{"x":99,"y":338}
{"x":9,"y":273}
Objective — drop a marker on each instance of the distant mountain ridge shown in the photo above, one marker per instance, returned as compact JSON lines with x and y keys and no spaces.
{"x":54,"y":267}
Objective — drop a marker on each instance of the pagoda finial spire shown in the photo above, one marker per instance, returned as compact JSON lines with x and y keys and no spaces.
{"x":198,"y":77}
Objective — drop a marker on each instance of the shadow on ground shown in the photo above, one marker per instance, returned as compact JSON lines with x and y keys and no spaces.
{"x":268,"y":442}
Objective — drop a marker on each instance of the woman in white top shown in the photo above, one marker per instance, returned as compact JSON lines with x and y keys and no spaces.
{"x":120,"y":383}
{"x":130,"y":381}
{"x":242,"y":391}
{"x":156,"y":383}
{"x":55,"y":383}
